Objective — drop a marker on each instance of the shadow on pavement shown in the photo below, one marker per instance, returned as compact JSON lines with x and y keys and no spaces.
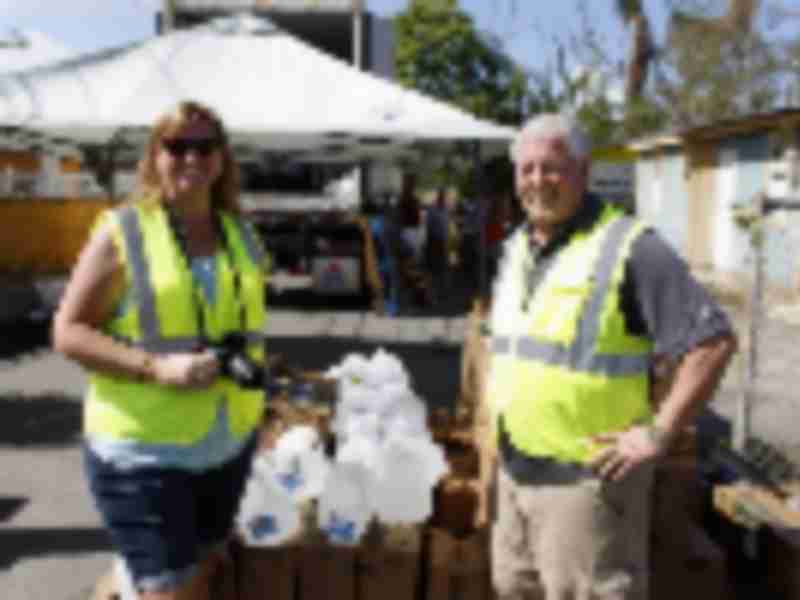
{"x":23,"y":337}
{"x":29,"y":542}
{"x":10,"y":505}
{"x":45,"y":420}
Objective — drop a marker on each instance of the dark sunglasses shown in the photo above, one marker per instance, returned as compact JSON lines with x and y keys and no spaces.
{"x":180,"y":146}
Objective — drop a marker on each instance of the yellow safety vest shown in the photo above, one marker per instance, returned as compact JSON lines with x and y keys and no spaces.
{"x":564,"y":368}
{"x":162,"y":317}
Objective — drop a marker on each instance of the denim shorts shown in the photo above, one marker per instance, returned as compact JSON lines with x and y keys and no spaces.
{"x":164,"y":521}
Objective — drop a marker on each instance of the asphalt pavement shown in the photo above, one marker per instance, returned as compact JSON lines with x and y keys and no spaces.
{"x":52,"y":545}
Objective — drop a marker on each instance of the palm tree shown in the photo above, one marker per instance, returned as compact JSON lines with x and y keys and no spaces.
{"x":642,"y":48}
{"x":738,"y":19}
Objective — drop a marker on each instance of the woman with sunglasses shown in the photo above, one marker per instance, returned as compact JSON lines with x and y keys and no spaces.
{"x":169,"y":438}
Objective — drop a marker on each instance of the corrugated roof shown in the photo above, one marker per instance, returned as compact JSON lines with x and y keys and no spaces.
{"x":743,"y":124}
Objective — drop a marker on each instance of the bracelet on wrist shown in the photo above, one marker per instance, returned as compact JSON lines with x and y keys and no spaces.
{"x":146,"y":368}
{"x":658,"y":436}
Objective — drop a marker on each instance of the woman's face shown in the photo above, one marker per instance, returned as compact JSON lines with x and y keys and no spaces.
{"x":189,"y":161}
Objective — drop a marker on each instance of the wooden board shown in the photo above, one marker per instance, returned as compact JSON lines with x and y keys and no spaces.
{"x":458,"y":567}
{"x":753,"y":506}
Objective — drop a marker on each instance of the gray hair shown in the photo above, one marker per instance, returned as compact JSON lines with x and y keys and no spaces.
{"x":549,"y":126}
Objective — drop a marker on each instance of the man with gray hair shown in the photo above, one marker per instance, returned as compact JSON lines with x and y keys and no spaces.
{"x":585,"y":301}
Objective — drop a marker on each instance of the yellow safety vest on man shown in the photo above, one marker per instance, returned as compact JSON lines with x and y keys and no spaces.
{"x":563,"y":366}
{"x":163,"y":317}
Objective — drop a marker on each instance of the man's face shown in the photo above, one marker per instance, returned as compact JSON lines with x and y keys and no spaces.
{"x":549,"y":181}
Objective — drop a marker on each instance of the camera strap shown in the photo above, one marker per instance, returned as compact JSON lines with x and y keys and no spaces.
{"x":179,"y":231}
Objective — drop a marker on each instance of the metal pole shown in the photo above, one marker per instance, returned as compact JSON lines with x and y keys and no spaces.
{"x":358,"y":34}
{"x":168,"y":16}
{"x":742,"y":425}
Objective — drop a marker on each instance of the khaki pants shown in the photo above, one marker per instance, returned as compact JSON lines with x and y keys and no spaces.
{"x":579,"y":540}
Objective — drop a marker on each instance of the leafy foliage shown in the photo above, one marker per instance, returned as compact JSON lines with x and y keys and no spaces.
{"x":440,"y":52}
{"x":712,"y":68}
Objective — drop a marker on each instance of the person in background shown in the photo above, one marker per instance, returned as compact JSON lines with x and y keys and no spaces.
{"x":586,"y":300}
{"x":437,"y":226}
{"x":497,"y":227}
{"x":409,"y":218}
{"x":169,"y":436}
{"x":470,"y":247}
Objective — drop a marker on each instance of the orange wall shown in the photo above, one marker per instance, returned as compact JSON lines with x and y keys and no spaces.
{"x":44,"y":236}
{"x":19,"y":161}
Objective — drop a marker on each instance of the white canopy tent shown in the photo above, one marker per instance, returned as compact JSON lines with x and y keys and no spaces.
{"x":273,"y":92}
{"x":28,"y":48}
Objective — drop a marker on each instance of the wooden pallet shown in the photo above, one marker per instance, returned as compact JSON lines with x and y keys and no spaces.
{"x":458,"y":567}
{"x":778,"y":527}
{"x":385,"y":566}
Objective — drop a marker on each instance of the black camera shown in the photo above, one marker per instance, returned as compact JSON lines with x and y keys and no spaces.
{"x":231,"y":353}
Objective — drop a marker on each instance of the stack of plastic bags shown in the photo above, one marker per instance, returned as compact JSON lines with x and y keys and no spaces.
{"x":385,"y":466}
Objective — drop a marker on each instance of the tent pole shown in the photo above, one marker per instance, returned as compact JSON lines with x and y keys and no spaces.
{"x":113,"y":146}
{"x":358,"y":34}
{"x":482,"y":213}
{"x":168,"y":14}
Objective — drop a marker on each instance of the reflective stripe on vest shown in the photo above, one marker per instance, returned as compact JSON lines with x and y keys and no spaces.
{"x":152,"y":340}
{"x":580,"y":356}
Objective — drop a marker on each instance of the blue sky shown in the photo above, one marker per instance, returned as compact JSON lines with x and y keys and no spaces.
{"x":87,"y":25}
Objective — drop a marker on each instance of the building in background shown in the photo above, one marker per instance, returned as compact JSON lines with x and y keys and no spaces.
{"x":689,"y":185}
{"x":612,"y":175}
{"x":342,"y":28}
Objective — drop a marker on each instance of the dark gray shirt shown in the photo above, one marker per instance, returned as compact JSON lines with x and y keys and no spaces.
{"x":659,"y":299}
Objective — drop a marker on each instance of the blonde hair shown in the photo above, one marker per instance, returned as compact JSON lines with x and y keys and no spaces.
{"x":225,"y":190}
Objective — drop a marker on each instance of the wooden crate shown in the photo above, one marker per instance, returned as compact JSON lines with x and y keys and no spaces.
{"x":457,"y":505}
{"x":458,"y":567}
{"x":389,"y":564}
{"x":267,"y":573}
{"x":327,"y":572}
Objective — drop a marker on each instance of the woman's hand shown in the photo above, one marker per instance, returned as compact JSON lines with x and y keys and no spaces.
{"x":196,"y":370}
{"x":627,"y":450}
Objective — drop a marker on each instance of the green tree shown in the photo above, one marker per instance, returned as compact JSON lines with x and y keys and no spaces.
{"x":440,"y":52}
{"x":715,"y":67}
